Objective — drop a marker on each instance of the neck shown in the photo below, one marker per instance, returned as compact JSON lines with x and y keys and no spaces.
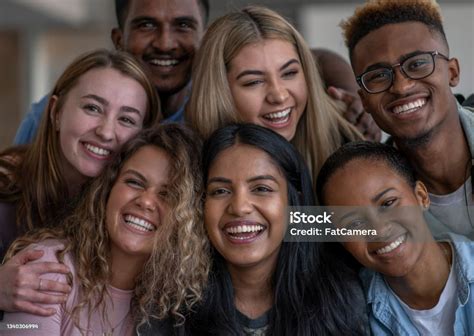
{"x":124,"y":269}
{"x":421,"y":288}
{"x":171,"y":103}
{"x":441,"y":163}
{"x":253,"y":293}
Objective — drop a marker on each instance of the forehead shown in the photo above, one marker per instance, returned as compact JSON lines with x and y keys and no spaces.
{"x":150,"y":161}
{"x":265,"y":51}
{"x":359,"y":180}
{"x":244,"y":161}
{"x":108,"y":80}
{"x":164,"y":10}
{"x":392,"y":41}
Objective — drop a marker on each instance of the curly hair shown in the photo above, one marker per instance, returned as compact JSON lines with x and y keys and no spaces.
{"x":175,"y":274}
{"x":377,"y":13}
{"x":32,"y":175}
{"x":321,"y":130}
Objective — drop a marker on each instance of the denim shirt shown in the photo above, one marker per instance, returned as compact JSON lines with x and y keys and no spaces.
{"x":386,"y":315}
{"x":30,"y":124}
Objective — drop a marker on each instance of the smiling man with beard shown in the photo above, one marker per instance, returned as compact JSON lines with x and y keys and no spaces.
{"x":400,"y":56}
{"x":164,"y":36}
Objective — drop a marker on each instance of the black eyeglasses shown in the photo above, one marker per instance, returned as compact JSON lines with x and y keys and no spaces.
{"x":418,"y":66}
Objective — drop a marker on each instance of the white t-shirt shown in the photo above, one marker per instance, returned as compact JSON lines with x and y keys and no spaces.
{"x":439,"y":320}
{"x":456,"y":210}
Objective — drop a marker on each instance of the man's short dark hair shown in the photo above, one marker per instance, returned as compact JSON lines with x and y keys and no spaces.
{"x":121,"y":8}
{"x":364,"y":150}
{"x":378,"y":13}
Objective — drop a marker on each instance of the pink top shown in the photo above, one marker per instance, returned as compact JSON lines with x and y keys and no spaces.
{"x":62,"y":323}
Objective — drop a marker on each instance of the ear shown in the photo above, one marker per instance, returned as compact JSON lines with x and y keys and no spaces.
{"x":454,"y":72}
{"x":116,"y":36}
{"x":422,"y":195}
{"x":54,"y":114}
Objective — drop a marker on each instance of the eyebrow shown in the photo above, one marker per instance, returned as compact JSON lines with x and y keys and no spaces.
{"x":252,"y":179}
{"x":379,"y":195}
{"x":134,"y":172}
{"x":97,"y":98}
{"x":258,"y":72}
{"x":104,"y":102}
{"x":400,"y":60}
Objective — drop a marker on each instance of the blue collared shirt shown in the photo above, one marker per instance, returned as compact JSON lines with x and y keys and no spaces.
{"x":387,"y":316}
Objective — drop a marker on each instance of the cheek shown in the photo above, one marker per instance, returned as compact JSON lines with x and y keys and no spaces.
{"x":247,"y":105}
{"x":212,"y":215}
{"x":124,"y":134}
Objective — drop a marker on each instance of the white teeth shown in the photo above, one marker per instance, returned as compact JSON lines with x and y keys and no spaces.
{"x":410,"y":106}
{"x":244,"y":229}
{"x":164,"y":62}
{"x":278,"y":115}
{"x":392,"y":246}
{"x":139,"y":223}
{"x":97,"y":150}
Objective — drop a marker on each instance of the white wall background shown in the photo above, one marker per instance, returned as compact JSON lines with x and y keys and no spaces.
{"x":319,"y":24}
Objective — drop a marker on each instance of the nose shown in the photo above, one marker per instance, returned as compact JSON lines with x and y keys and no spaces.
{"x":239,"y":204}
{"x":164,"y":40}
{"x":277,"y":93}
{"x":401,"y":83}
{"x":106,"y":129}
{"x":147,"y":200}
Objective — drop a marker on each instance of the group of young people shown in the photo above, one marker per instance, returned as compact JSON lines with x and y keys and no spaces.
{"x":116,"y":221}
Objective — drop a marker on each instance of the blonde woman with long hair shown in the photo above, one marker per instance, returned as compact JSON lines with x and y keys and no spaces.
{"x":254,"y":66}
{"x":135,"y":243}
{"x":102,"y":99}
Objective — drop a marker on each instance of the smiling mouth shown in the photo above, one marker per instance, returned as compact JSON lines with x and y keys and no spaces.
{"x":97,"y":150}
{"x":164,"y":62}
{"x":244,"y":232}
{"x":392,"y":246}
{"x":139,"y":223}
{"x":409,"y":107}
{"x":280,"y":117}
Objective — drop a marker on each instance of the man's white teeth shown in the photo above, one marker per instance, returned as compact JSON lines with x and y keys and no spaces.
{"x":392,"y":246}
{"x":163,"y":62}
{"x":410,"y":106}
{"x":244,"y":229}
{"x":139,"y":223}
{"x":97,"y":150}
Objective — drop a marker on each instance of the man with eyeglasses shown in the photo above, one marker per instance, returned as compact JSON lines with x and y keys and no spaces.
{"x":400,"y":56}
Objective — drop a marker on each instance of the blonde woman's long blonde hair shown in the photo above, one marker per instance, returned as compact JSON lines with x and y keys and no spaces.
{"x":173,"y":278}
{"x":321,"y":129}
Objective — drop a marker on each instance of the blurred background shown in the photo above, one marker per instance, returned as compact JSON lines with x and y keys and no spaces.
{"x":38,"y":38}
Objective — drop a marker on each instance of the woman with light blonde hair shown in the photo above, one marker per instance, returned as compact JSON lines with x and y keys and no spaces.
{"x":135,"y":243}
{"x":254,"y":66}
{"x":102,"y":99}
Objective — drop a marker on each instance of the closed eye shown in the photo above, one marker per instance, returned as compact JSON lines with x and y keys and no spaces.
{"x":253,"y":82}
{"x":134,"y":183}
{"x":290,"y":73}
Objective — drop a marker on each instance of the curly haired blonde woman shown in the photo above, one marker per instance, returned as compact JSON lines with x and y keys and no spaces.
{"x":254,"y":66}
{"x":135,"y":243}
{"x":101,"y":100}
